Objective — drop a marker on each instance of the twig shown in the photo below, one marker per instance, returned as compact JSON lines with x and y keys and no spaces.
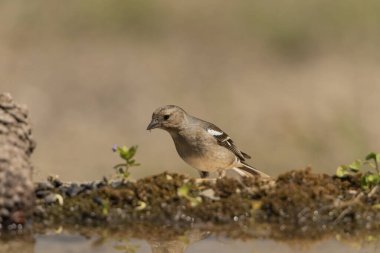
{"x":351,"y":201}
{"x":342,"y":214}
{"x":348,"y":206}
{"x":373,"y":191}
{"x":377,"y":167}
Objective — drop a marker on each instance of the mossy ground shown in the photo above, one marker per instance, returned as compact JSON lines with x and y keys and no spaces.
{"x":298,"y":204}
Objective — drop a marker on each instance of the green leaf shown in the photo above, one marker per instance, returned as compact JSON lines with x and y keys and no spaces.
{"x":342,"y":171}
{"x":373,"y":179}
{"x":183,"y":191}
{"x":127,"y":155}
{"x":195,"y":201}
{"x":124,"y":154}
{"x":133,"y":150}
{"x":364,"y":183}
{"x":106,"y":207}
{"x":369,"y":180}
{"x":356,"y":165}
{"x":373,"y":156}
{"x":123,"y":149}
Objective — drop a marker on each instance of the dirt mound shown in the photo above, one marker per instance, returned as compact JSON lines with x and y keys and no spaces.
{"x":298,"y":203}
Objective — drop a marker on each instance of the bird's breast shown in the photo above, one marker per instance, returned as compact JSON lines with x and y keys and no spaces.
{"x":203,"y":153}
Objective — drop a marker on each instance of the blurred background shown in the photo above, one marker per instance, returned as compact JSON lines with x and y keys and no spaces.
{"x":294,"y":82}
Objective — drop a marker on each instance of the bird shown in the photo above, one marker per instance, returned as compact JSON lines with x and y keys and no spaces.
{"x":201,"y":144}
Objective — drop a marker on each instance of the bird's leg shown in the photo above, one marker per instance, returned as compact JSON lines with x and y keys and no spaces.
{"x":204,"y":177}
{"x":221,"y":174}
{"x":204,"y":174}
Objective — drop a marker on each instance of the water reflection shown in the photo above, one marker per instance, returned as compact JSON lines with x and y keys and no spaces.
{"x":167,"y":243}
{"x":179,"y":244}
{"x":17,"y":243}
{"x":165,"y":240}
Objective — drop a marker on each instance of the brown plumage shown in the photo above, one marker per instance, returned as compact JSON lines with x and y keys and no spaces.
{"x":201,"y":144}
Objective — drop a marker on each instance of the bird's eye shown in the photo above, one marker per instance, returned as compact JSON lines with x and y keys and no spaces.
{"x":166,"y":117}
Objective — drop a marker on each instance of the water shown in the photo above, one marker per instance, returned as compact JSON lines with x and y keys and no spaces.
{"x":193,"y":242}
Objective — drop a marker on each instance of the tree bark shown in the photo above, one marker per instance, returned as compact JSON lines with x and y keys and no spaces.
{"x":16,"y":147}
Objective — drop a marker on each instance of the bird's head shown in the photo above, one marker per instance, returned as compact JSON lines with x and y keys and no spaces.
{"x":167,"y":117}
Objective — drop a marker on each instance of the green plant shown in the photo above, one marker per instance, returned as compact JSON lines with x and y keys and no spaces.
{"x":105,"y":207}
{"x":184,"y":192}
{"x":124,"y":245}
{"x":375,"y":158}
{"x":127,"y":154}
{"x":369,"y":178}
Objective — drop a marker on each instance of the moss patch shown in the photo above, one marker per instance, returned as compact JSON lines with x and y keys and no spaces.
{"x":296,"y":204}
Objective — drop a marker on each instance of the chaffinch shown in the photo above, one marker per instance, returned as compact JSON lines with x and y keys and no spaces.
{"x":201,"y":144}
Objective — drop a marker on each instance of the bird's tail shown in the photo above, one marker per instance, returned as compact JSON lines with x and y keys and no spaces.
{"x":246,"y":169}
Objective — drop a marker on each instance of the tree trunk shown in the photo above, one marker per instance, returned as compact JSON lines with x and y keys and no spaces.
{"x":16,"y":146}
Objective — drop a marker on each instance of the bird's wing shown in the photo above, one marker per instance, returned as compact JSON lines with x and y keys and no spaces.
{"x":225,"y":141}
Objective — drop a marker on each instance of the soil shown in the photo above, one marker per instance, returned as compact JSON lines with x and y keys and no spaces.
{"x":298,"y":204}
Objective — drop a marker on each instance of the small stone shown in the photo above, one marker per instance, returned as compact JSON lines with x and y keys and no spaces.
{"x":209,"y":193}
{"x":55,"y":181}
{"x":42,"y":193}
{"x":12,"y":227}
{"x":6,"y":118}
{"x":51,"y":198}
{"x":98,"y":200}
{"x":6,"y":101}
{"x":44,"y":186}
{"x":39,"y":210}
{"x":73,"y":190}
{"x":99,"y":184}
{"x":3,"y":129}
{"x":87,"y":186}
{"x":4,"y":212}
{"x":116,"y":184}
{"x":18,"y":115}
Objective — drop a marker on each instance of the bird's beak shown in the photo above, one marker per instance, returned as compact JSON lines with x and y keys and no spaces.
{"x":153,"y":124}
